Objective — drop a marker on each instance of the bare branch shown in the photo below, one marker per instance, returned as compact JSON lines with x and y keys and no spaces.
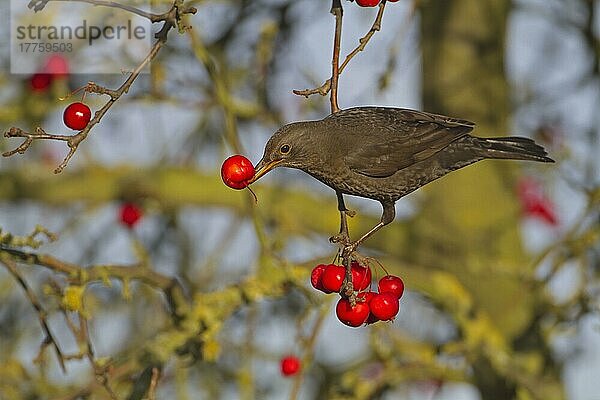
{"x":337,"y":11}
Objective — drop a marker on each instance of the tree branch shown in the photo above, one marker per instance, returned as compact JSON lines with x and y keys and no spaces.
{"x":140,"y":272}
{"x":338,"y":12}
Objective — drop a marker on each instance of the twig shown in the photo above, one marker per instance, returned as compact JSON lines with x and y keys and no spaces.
{"x":338,"y":12}
{"x":41,"y":313}
{"x":171,"y":19}
{"x":153,"y":384}
{"x":326,"y":87}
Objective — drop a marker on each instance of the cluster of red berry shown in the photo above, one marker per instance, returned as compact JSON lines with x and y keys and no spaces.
{"x":371,"y":3}
{"x":237,"y":171}
{"x":370,"y":306}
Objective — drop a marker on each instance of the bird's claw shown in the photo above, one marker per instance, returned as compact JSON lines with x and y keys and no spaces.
{"x":350,"y":213}
{"x":341,"y":237}
{"x":349,"y":249}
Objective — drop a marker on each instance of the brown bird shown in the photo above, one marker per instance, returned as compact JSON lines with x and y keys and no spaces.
{"x":384,"y":154}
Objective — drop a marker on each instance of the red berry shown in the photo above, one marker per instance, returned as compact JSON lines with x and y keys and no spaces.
{"x":333,"y":277}
{"x":391,"y":284}
{"x":290,"y":365}
{"x":384,"y":306}
{"x":352,"y":316}
{"x":130,"y":214}
{"x":367,"y":3}
{"x":393,"y":1}
{"x":534,"y":202}
{"x":315,"y":277}
{"x":236,"y":171}
{"x":77,"y":116}
{"x":361,"y":276}
{"x":57,"y":65}
{"x":40,"y":81}
{"x":366,"y":297}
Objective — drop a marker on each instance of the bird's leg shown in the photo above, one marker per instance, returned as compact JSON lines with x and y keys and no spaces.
{"x":344,"y":236}
{"x":388,"y":215}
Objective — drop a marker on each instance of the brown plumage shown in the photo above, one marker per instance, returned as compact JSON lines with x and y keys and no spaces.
{"x":385,"y":153}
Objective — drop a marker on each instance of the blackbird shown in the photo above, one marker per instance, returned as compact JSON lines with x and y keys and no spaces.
{"x":384,"y":153}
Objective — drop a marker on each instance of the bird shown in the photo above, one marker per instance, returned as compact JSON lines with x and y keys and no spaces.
{"x":384,"y":153}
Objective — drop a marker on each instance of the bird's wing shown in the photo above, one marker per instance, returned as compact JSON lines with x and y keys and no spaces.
{"x":390,"y":139}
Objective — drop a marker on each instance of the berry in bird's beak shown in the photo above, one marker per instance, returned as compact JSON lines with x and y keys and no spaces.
{"x":237,"y":171}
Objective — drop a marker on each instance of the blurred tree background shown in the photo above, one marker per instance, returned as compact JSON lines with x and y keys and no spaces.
{"x":146,"y":278}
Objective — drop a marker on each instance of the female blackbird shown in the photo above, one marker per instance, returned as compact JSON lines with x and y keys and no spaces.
{"x":385,"y":153}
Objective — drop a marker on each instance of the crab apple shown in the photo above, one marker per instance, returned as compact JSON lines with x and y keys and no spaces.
{"x":57,"y":65}
{"x":333,"y":277}
{"x":352,"y":316}
{"x":236,"y":171}
{"x":534,"y":202}
{"x":384,"y":306}
{"x":40,"y":82}
{"x":367,"y":3}
{"x":290,"y":365}
{"x":315,"y":278}
{"x":361,"y":276}
{"x":77,"y":116}
{"x":366,"y":297}
{"x":391,"y":284}
{"x":130,"y":214}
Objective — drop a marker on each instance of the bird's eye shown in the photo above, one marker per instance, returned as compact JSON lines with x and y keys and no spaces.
{"x":284,"y":149}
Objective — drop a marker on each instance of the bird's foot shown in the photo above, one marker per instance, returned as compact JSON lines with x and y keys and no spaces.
{"x":350,"y":213}
{"x":348,"y":250}
{"x":341,"y":237}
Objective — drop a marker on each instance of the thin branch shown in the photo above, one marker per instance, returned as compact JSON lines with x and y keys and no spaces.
{"x":326,"y":87}
{"x":41,"y":313}
{"x":153,"y":384}
{"x":338,"y":12}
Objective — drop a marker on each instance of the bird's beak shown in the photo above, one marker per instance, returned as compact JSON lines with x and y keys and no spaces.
{"x":262,"y":168}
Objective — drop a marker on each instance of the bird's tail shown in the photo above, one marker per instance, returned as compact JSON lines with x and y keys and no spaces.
{"x":513,"y":148}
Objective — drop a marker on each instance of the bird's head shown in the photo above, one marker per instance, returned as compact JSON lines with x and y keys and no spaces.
{"x":290,"y":147}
